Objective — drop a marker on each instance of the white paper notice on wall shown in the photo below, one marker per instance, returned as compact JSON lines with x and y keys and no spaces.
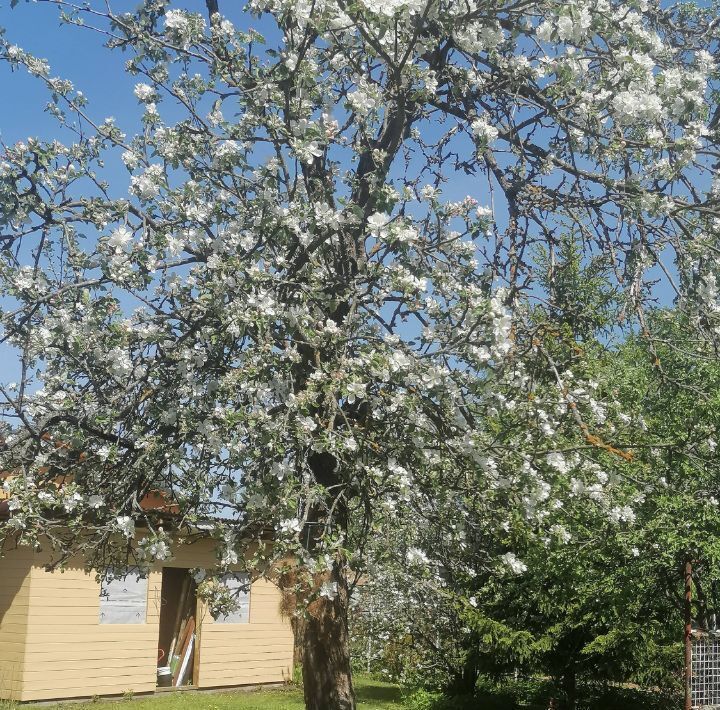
{"x":123,"y":597}
{"x":239,"y":585}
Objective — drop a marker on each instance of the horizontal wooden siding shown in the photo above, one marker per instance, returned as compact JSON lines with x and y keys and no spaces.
{"x":14,"y":604}
{"x":68,"y":653}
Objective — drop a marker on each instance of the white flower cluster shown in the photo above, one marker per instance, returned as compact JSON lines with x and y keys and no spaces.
{"x":390,"y":8}
{"x":156,"y":547}
{"x":144,"y":92}
{"x":571,"y":26}
{"x":478,"y":37}
{"x":622,"y":514}
{"x":515,"y":565}
{"x":416,"y":556}
{"x":147,"y":185}
{"x":637,"y":105}
{"x":125,"y":525}
{"x":484,"y":131}
{"x":183,"y":28}
{"x":364,"y":99}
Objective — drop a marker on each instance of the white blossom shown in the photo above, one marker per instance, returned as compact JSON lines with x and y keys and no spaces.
{"x":558,"y":462}
{"x":415,"y":556}
{"x":329,"y":590}
{"x":126,"y":525}
{"x":144,"y":92}
{"x":484,"y":131}
{"x":120,"y":238}
{"x":290,"y":526}
{"x":515,"y":565}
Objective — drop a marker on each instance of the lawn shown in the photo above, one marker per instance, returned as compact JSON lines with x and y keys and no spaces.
{"x":372,"y":695}
{"x":377,"y":695}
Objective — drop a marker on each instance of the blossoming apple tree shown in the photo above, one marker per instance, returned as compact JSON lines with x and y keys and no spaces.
{"x":313,"y":293}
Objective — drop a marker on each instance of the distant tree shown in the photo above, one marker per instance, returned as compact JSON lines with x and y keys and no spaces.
{"x":593,"y":588}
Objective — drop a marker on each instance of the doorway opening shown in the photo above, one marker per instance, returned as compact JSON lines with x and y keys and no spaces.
{"x":177,"y":641}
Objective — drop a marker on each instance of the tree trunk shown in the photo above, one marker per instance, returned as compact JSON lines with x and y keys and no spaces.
{"x":298,"y":628}
{"x":569,"y":689}
{"x":465,"y":679}
{"x":324,"y":636}
{"x":327,"y":679}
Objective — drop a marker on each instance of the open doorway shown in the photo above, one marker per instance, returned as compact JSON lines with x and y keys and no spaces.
{"x":177,"y":642}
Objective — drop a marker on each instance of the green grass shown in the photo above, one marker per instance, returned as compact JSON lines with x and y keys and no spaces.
{"x":378,"y":695}
{"x":372,"y":695}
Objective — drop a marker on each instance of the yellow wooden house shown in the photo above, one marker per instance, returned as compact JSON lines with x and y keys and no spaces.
{"x":63,"y":635}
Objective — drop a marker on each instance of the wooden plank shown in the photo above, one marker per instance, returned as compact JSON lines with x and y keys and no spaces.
{"x":240,"y":665}
{"x":13,"y":651}
{"x":247,"y":632}
{"x":93,"y":666}
{"x":38,"y":631}
{"x":65,"y":616}
{"x":12,"y":632}
{"x":14,"y":609}
{"x":16,"y":601}
{"x":199,"y":614}
{"x":185,"y":666}
{"x":77,"y":689}
{"x":84,"y":580}
{"x":56,"y":592}
{"x":126,"y":677}
{"x":69,"y":572}
{"x":241,"y":654}
{"x":15,"y":606}
{"x":276,"y":675}
{"x":100,"y":632}
{"x":253,"y":625}
{"x":90,"y":632}
{"x":230,"y":643}
{"x":183,"y":646}
{"x":242,"y":669}
{"x":184,"y":590}
{"x":9,"y":564}
{"x":248,"y":644}
{"x":108,"y":670}
{"x":249,"y":656}
{"x":237,"y":670}
{"x":246,"y":679}
{"x":252,"y":644}
{"x":89,"y":656}
{"x":10,"y":677}
{"x":96,"y":666}
{"x":84,"y":645}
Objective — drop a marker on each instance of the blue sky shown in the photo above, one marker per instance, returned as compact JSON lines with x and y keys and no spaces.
{"x":73,"y":53}
{"x":76,"y":54}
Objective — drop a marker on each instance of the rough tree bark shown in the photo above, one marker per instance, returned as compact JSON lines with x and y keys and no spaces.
{"x":327,"y":680}
{"x":323,"y":628}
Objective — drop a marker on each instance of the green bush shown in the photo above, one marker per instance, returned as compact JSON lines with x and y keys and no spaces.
{"x":534,"y":694}
{"x":420,"y":700}
{"x":426,"y":700}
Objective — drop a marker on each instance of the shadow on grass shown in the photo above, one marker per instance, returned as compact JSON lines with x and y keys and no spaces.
{"x":591,"y":698}
{"x":369,"y":690}
{"x":536,"y":695}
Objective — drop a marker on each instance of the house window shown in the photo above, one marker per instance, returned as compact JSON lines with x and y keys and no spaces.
{"x":239,"y":585}
{"x":123,"y":597}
